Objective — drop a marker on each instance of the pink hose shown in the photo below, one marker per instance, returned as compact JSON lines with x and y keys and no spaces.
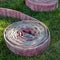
{"x":42,"y":5}
{"x":14,"y":44}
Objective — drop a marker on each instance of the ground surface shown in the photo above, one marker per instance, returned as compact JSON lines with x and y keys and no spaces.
{"x":51,"y":19}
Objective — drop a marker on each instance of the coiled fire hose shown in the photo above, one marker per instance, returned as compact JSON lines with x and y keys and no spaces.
{"x":42,"y":5}
{"x":28,"y":37}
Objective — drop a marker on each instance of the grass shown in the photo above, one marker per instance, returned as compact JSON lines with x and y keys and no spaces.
{"x":51,"y":19}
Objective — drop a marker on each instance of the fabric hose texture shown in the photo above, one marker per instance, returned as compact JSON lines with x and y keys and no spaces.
{"x":28,"y":37}
{"x":42,"y":5}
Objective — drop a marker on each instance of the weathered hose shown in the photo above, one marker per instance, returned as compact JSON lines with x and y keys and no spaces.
{"x":29,"y":37}
{"x":42,"y":5}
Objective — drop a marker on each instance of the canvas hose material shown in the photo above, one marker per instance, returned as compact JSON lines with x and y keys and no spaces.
{"x":42,"y":5}
{"x":28,"y":37}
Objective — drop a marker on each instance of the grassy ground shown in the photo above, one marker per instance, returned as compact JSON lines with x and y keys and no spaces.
{"x":51,"y":19}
